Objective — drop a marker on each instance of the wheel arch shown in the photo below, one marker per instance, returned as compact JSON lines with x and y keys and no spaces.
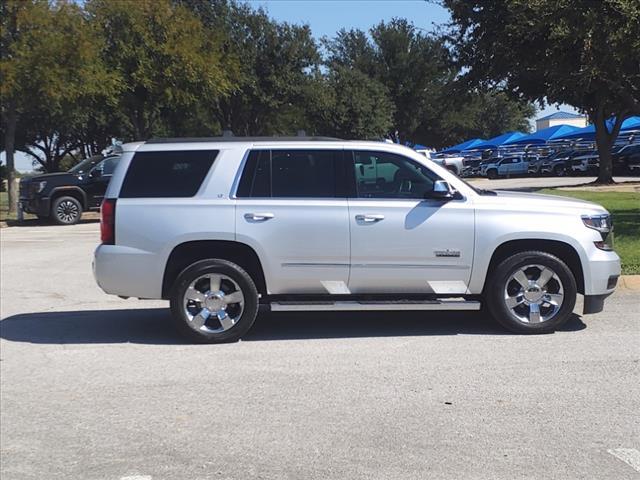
{"x":74,"y":192}
{"x":564,"y":251}
{"x":189,"y":252}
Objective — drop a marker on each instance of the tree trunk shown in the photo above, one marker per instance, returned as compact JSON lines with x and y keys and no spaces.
{"x":604,"y":142}
{"x":9,"y":143}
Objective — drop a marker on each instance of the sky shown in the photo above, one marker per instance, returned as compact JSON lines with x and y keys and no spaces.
{"x":326,"y":17}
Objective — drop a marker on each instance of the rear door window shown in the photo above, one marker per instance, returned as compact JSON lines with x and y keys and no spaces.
{"x":167,"y":174}
{"x":292,"y":174}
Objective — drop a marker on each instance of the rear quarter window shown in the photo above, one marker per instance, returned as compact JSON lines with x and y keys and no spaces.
{"x":167,"y":174}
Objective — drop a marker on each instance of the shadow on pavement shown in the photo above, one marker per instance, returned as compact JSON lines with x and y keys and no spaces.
{"x":153,"y":326}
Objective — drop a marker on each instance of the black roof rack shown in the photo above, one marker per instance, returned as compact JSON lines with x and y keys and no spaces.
{"x":243,"y":139}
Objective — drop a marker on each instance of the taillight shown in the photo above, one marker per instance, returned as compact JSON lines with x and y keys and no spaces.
{"x":108,"y":221}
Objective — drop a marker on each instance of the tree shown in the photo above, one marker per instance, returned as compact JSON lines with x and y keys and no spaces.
{"x":430,"y":104}
{"x":582,"y":52}
{"x":412,"y":66}
{"x":470,"y":113}
{"x":52,"y":76}
{"x":346,"y":103}
{"x":166,"y":63}
{"x":277,"y":63}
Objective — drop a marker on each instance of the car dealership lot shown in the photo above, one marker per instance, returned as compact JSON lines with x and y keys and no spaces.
{"x":96,"y":387}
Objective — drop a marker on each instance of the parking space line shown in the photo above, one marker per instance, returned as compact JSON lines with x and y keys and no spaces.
{"x":630,"y":456}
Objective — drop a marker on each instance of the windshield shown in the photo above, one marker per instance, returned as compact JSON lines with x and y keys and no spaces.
{"x":85,"y":165}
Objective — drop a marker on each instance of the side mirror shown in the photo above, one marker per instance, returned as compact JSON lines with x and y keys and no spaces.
{"x":95,"y":173}
{"x":441,"y":190}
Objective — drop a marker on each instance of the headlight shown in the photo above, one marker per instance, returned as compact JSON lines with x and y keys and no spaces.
{"x":603,"y":224}
{"x":40,"y":186}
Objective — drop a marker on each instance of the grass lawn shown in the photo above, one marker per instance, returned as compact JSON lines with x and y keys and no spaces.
{"x":4,"y":206}
{"x":625,"y":208}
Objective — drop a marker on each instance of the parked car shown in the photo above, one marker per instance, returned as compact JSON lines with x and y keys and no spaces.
{"x":507,"y":166}
{"x":224,"y":227}
{"x":633,"y":163}
{"x":471,"y":167}
{"x":626,"y":158}
{"x":587,"y":162}
{"x":559,"y":163}
{"x":454,"y":164}
{"x":62,"y":197}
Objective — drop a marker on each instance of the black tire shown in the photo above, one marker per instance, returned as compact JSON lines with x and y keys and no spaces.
{"x":492,"y":174}
{"x":66,"y":211}
{"x":559,"y":171}
{"x":498,"y":282}
{"x":225,"y":268}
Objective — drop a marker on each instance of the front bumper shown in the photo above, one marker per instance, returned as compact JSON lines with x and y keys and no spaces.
{"x":601,"y":275}
{"x":36,"y":206}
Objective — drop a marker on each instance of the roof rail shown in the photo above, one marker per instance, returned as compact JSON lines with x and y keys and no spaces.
{"x":243,"y":139}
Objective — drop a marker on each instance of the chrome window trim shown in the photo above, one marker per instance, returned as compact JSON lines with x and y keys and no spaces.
{"x":245,"y":157}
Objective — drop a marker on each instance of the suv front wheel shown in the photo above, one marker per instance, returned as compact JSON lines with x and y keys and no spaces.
{"x":531,"y":292}
{"x":214,"y":301}
{"x":66,"y":210}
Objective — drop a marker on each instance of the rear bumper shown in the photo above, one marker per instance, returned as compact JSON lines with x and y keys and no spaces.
{"x":128,"y":272}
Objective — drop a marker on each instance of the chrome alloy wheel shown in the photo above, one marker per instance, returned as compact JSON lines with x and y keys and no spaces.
{"x":213,"y":303}
{"x":67,"y":211}
{"x":534,"y":294}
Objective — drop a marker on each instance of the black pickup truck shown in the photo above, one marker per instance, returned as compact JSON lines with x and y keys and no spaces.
{"x":62,"y":197}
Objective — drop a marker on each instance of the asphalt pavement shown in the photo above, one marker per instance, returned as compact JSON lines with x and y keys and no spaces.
{"x":95,"y":387}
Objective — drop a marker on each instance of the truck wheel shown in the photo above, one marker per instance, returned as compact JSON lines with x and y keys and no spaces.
{"x":492,"y":174}
{"x":531,"y":292}
{"x":453,"y":170}
{"x":559,"y":171}
{"x":214,"y":301}
{"x":66,"y":211}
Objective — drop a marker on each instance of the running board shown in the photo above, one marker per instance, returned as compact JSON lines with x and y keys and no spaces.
{"x":449,"y":304}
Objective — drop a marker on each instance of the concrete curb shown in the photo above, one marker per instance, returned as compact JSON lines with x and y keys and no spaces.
{"x":629,"y":282}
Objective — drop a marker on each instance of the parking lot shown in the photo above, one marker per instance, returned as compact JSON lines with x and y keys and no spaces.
{"x":96,"y":387}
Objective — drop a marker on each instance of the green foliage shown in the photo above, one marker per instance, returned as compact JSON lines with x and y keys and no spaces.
{"x":478,"y":114}
{"x":3,"y":177}
{"x":75,"y":74}
{"x":164,"y":61}
{"x":349,"y":104}
{"x":430,"y":105}
{"x":52,"y":74}
{"x":582,"y":52}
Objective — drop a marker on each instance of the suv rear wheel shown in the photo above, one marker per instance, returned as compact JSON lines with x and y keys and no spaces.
{"x":66,"y":211}
{"x":214,"y":301}
{"x":531,"y":292}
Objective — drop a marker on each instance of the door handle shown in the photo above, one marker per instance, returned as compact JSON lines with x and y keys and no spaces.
{"x":370,"y":218}
{"x":258,"y":217}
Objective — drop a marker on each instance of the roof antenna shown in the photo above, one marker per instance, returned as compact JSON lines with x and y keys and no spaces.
{"x":227,"y":133}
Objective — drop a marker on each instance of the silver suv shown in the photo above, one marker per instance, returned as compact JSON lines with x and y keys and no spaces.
{"x":223,"y":227}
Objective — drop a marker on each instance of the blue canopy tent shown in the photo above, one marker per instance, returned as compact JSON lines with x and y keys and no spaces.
{"x":463,"y":146}
{"x":589,"y":132}
{"x":496,"y":141}
{"x":543,"y":136}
